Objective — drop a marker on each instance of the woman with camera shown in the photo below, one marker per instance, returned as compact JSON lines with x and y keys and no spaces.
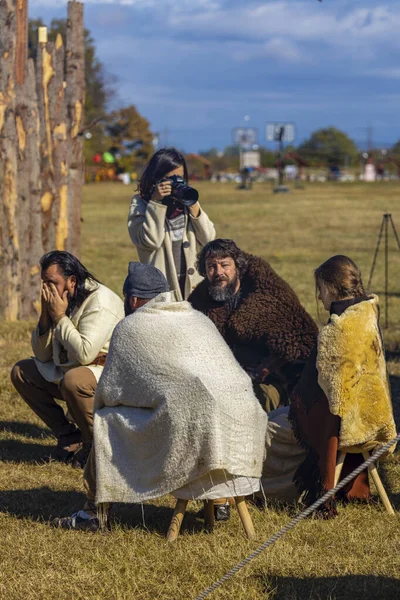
{"x":166,"y":223}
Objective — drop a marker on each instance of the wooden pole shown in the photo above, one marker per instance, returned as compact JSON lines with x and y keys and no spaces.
{"x":176,"y":521}
{"x":9,"y":239}
{"x":44,"y":76}
{"x":21,"y":53}
{"x":75,"y":99}
{"x":245,"y":517}
{"x":379,"y":486}
{"x":60,"y":150}
{"x":209,"y":515}
{"x":339,"y":467}
{"x":29,"y":188}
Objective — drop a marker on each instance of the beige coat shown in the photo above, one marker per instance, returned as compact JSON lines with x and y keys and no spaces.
{"x":77,"y":340}
{"x":150,"y":233}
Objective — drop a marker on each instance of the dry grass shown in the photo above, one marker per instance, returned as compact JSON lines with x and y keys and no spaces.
{"x":354,"y":557}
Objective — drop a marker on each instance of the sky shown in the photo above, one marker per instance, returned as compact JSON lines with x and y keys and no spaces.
{"x":198,"y":68}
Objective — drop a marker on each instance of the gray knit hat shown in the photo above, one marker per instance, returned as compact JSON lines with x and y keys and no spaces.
{"x":144,"y":281}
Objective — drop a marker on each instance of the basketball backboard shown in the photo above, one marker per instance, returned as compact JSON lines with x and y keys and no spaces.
{"x":276,"y":132}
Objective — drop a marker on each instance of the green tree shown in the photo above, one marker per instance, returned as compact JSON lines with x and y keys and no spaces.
{"x":396,"y":149}
{"x":329,"y":146}
{"x":130,"y":136}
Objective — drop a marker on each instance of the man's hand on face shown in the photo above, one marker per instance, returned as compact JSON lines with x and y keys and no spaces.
{"x":45,"y":318}
{"x":57,"y":305}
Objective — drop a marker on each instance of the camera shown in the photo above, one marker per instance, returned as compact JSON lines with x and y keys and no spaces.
{"x":182,"y":192}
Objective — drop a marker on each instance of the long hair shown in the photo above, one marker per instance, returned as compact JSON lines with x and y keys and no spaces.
{"x":69,"y":265}
{"x":222,"y":248}
{"x":162,"y":162}
{"x":341,"y":277}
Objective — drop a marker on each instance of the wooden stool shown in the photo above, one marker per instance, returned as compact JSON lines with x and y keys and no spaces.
{"x":179,"y":513}
{"x":364,"y":449}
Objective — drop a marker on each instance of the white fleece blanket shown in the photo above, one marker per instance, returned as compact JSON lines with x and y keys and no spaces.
{"x":172,"y":405}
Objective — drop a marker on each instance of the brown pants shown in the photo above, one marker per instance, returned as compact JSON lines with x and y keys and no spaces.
{"x":77,"y":389}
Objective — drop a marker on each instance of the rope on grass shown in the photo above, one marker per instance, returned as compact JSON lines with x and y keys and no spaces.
{"x":308,"y":511}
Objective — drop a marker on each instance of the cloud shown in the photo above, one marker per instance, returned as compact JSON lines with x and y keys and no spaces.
{"x":200,"y":65}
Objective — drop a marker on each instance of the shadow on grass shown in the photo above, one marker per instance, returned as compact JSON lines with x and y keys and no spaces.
{"x":28,"y":430}
{"x":43,"y":504}
{"x":16,"y":451}
{"x":349,"y":587}
{"x":155,"y":519}
{"x":40,"y":504}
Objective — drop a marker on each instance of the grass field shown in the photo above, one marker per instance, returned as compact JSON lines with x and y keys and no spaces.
{"x":356,"y":556}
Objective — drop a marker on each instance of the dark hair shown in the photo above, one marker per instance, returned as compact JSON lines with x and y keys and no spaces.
{"x":69,"y":265}
{"x":162,"y":162}
{"x":341,"y":276}
{"x":221,"y":248}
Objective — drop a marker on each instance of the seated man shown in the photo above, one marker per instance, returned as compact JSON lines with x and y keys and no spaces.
{"x":174,"y":410}
{"x":258,"y":315}
{"x":70,"y":345}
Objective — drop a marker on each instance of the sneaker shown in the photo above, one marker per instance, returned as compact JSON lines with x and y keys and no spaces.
{"x":222,"y":512}
{"x":81,"y":520}
{"x":79,"y":458}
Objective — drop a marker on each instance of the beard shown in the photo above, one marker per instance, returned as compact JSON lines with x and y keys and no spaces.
{"x":223,"y":293}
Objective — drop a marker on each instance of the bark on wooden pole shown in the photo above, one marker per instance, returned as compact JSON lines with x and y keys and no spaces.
{"x":29,"y":192}
{"x":10,"y":255}
{"x":44,"y":76}
{"x":75,"y":99}
{"x":21,"y":53}
{"x":60,"y":224}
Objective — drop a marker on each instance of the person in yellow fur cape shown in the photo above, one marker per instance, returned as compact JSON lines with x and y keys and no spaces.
{"x":343,"y":398}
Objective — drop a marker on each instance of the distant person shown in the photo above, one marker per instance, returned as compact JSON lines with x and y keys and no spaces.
{"x":258,"y":315}
{"x":70,"y":346}
{"x":166,"y":223}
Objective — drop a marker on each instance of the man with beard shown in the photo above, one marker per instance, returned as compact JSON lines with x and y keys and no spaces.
{"x":70,"y":346}
{"x":259,"y":316}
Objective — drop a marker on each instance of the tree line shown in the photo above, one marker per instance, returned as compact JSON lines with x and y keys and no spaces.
{"x":326,"y":147}
{"x":126,"y":134}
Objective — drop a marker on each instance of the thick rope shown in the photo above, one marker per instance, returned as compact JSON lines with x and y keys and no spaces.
{"x":299,"y":518}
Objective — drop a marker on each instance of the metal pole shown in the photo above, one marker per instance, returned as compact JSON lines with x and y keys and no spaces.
{"x":280,"y":162}
{"x":376,"y":252}
{"x":386,"y":217}
{"x":394,"y":231}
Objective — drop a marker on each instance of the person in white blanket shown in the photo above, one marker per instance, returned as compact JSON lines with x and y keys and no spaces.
{"x":174,"y":411}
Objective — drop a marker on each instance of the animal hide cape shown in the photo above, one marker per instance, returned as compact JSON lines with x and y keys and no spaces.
{"x":171,"y":406}
{"x":352,"y":373}
{"x":268,"y":321}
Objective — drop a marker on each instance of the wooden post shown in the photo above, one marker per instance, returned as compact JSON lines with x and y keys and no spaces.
{"x":60,"y":224}
{"x":9,"y":239}
{"x":379,"y":485}
{"x":339,"y":467}
{"x":209,"y":515}
{"x":28,"y":188}
{"x":75,"y":98}
{"x":176,"y":521}
{"x":245,"y":517}
{"x":44,"y":76}
{"x":21,"y":53}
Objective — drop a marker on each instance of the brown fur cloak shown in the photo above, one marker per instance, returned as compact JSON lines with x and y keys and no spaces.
{"x":268,"y":323}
